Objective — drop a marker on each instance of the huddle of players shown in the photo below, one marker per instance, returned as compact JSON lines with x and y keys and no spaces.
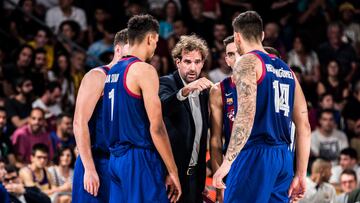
{"x":124,"y":145}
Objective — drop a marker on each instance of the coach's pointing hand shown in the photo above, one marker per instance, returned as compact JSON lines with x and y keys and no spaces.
{"x":198,"y":85}
{"x":91,"y":182}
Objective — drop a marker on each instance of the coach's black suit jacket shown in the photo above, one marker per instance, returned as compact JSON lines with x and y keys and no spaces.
{"x":181,"y":128}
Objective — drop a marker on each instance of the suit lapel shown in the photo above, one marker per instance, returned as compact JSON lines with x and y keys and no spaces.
{"x":179,"y":85}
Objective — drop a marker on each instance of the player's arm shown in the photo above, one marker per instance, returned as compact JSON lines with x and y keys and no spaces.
{"x":302,"y":143}
{"x":90,"y":90}
{"x":216,"y":118}
{"x":149,"y":85}
{"x":246,"y":85}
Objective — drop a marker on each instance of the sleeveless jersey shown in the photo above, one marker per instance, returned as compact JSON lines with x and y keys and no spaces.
{"x":274,"y":102}
{"x":99,"y":142}
{"x":125,"y":116}
{"x":229,"y":100}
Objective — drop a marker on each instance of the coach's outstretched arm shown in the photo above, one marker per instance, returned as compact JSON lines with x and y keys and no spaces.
{"x":90,"y":90}
{"x":246,"y":84}
{"x":149,"y":84}
{"x":303,"y":138}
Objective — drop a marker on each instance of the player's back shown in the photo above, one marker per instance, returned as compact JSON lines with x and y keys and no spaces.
{"x":274,"y":103}
{"x":99,"y":143}
{"x":125,"y":116}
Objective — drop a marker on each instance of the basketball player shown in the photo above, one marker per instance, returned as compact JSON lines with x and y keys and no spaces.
{"x":132,"y":111}
{"x":91,"y":180}
{"x":269,"y":99}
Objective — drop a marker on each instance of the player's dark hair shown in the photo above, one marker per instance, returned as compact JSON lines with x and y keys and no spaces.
{"x":250,"y":25}
{"x":139,"y":26}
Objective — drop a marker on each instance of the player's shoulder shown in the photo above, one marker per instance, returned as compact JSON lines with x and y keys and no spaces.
{"x":96,"y":72}
{"x":143,"y":69}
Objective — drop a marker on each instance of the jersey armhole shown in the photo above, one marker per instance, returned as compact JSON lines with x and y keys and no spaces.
{"x":132,"y":94}
{"x":222,"y":90}
{"x":263,"y":68}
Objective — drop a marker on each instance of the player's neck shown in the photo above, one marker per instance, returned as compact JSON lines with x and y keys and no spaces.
{"x":248,"y":47}
{"x":138,"y":51}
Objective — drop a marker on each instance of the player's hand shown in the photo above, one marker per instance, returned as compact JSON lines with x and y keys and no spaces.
{"x":91,"y":182}
{"x":197,"y":85}
{"x":220,"y":195}
{"x":220,"y":174}
{"x":173,"y":187}
{"x":297,"y":188}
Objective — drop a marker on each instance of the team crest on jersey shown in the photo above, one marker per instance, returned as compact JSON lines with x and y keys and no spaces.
{"x":229,"y":101}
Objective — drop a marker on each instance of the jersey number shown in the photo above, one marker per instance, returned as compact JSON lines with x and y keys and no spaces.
{"x":281,"y":97}
{"x":111,"y":97}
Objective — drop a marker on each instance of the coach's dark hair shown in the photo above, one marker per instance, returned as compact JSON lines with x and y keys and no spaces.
{"x":250,"y":25}
{"x":139,"y":26}
{"x":349,"y":172}
{"x":121,"y":37}
{"x":228,"y":40}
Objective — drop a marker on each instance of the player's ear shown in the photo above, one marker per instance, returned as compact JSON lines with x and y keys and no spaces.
{"x":262,"y":35}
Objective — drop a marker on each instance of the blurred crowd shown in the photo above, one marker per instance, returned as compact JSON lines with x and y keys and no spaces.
{"x":46,"y":47}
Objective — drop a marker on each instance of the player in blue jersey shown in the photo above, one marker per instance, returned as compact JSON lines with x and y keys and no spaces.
{"x":91,"y":180}
{"x":139,"y":144}
{"x":223,"y":99}
{"x":269,"y":99}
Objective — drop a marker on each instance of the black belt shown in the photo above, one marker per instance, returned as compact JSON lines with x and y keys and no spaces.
{"x":191,"y":170}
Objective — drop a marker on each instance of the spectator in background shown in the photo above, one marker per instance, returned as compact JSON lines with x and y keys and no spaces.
{"x":61,"y":73}
{"x":355,"y":139}
{"x":24,"y":138}
{"x":63,"y":135}
{"x":348,"y":182}
{"x":96,"y":27}
{"x":6,"y":148}
{"x":317,"y":187}
{"x":222,"y":71}
{"x":21,"y":66}
{"x":351,"y":27}
{"x":77,"y":68}
{"x":198,"y":23}
{"x":335,"y":49}
{"x":348,"y":160}
{"x":22,"y":26}
{"x":49,"y":100}
{"x":272,"y":39}
{"x":180,"y":29}
{"x":306,"y":59}
{"x":326,"y":101}
{"x":326,"y":140}
{"x":62,"y":173}
{"x":18,"y":192}
{"x":351,"y":111}
{"x":41,"y":41}
{"x":69,"y":31}
{"x":158,"y":65}
{"x":102,"y":45}
{"x":65,"y":11}
{"x":39,"y":71}
{"x":332,"y":82}
{"x":171,"y":12}
{"x":4,"y":195}
{"x":36,"y":174}
{"x":19,"y":107}
{"x":212,"y":9}
{"x":219,"y":34}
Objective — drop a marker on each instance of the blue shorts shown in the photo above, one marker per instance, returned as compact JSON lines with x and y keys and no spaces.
{"x":260,"y":173}
{"x":138,"y":175}
{"x":79,"y":194}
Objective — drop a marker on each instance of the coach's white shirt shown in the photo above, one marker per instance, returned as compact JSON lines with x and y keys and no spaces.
{"x":196,"y":113}
{"x":324,"y":193}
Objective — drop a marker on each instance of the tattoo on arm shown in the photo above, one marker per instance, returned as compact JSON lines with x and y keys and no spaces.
{"x":246,"y":85}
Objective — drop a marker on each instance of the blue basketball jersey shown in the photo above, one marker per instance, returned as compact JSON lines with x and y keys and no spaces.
{"x":229,"y":100}
{"x":98,"y":139}
{"x":274,"y":103}
{"x":125,"y":116}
